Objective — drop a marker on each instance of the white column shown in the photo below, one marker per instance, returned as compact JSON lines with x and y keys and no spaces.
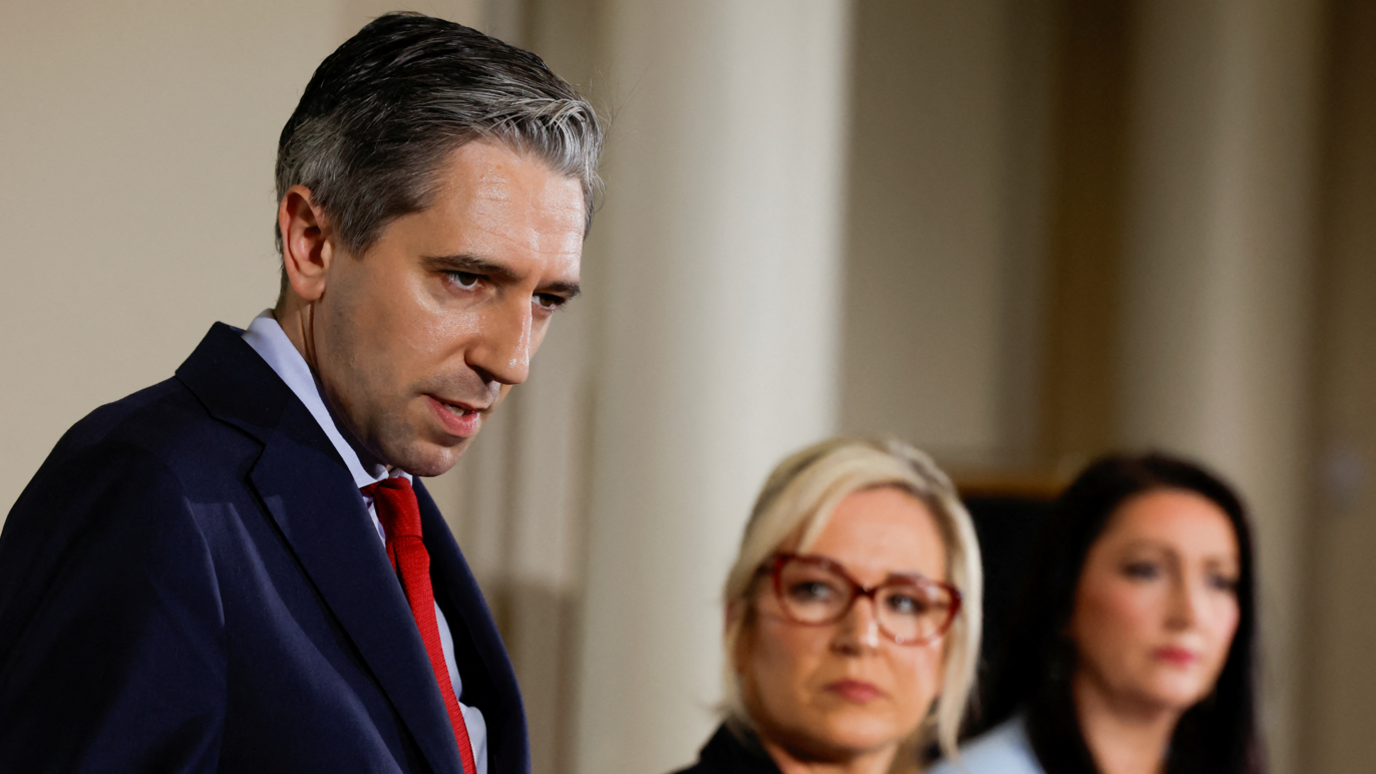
{"x":1217,"y":313}
{"x":716,"y":274}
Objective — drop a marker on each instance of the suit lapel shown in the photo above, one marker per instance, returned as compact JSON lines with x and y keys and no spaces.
{"x":311,"y":496}
{"x":313,"y":500}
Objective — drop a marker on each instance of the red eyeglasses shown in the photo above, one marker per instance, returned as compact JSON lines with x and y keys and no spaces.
{"x":910,"y":609}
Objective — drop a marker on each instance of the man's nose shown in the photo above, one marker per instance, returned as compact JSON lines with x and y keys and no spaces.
{"x":503,"y":348}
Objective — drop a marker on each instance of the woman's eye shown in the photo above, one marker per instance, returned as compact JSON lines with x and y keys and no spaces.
{"x":812,"y":591}
{"x":1141,"y":570}
{"x":464,"y":279}
{"x":907,"y":604}
{"x":1222,"y":582}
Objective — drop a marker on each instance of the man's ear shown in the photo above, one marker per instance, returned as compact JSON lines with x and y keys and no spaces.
{"x":307,"y":247}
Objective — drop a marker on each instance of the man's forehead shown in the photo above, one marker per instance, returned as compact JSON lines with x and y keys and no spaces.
{"x":494,"y":160}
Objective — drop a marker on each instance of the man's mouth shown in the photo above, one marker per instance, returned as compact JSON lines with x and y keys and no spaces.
{"x":458,"y":419}
{"x":455,"y":408}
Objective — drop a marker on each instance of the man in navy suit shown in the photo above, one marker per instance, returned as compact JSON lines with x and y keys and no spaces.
{"x":234,"y":570}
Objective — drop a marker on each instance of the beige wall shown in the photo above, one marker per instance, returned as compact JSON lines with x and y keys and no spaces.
{"x":926,"y":280}
{"x":1340,"y":694}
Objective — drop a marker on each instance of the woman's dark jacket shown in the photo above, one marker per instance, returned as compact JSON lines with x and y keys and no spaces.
{"x":729,"y":753}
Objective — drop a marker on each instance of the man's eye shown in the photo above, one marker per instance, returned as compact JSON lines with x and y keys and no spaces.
{"x":464,"y":279}
{"x":549,"y":300}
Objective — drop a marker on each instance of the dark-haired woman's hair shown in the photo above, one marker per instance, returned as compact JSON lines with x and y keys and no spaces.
{"x":1218,"y":735}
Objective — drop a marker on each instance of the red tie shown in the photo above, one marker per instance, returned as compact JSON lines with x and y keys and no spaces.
{"x":395,"y":501}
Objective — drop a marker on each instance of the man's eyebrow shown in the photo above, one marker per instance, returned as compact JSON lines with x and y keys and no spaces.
{"x":468,"y":263}
{"x":465,"y":262}
{"x":569,"y":290}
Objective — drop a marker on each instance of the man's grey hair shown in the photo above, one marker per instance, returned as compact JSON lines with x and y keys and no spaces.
{"x":382,"y":113}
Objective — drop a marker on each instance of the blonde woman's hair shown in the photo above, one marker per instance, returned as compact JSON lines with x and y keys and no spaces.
{"x":798,"y":500}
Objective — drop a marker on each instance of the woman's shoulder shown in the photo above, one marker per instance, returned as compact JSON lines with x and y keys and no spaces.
{"x":1003,"y":749}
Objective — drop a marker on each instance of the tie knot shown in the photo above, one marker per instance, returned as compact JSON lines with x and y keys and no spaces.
{"x":396,"y":506}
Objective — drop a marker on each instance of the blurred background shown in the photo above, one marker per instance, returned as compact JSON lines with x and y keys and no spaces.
{"x":1014,"y":232}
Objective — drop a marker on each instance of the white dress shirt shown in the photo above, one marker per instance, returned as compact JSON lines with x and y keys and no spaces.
{"x":268,"y":340}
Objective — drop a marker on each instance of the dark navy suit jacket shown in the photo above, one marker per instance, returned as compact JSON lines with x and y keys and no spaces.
{"x":191,"y":582}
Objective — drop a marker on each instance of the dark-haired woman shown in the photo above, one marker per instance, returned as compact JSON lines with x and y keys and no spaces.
{"x":1135,"y":651}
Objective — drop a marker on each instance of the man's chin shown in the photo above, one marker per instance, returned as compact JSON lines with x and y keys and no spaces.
{"x":430,"y":459}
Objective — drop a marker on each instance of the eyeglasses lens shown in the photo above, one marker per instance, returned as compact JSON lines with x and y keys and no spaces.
{"x":816,"y":594}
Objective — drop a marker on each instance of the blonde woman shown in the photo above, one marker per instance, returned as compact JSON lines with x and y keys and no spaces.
{"x":852,"y":616}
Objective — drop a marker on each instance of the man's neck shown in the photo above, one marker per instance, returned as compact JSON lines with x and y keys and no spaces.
{"x":296,"y":319}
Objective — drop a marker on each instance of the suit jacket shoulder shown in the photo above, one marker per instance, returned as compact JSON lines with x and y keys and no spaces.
{"x":191,"y":582}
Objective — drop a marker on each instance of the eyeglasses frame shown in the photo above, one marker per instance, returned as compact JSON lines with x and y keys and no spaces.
{"x":858,"y":590}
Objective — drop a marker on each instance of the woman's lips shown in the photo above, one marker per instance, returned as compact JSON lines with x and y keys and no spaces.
{"x":1176,"y":656}
{"x":457,"y":420}
{"x":855,"y":691}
